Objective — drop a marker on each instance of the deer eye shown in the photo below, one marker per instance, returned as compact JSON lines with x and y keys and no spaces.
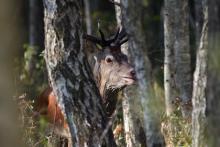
{"x":109,"y":59}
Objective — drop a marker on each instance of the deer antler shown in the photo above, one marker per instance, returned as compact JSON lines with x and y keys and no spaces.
{"x":119,"y":38}
{"x":122,"y":37}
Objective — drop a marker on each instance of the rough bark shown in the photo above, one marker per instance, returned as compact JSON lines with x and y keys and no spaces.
{"x":70,"y":75}
{"x":177,"y":66}
{"x":132,"y":22}
{"x":132,"y":115}
{"x":200,"y":85}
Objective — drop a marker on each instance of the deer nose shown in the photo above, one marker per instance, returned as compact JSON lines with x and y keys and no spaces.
{"x":132,"y":72}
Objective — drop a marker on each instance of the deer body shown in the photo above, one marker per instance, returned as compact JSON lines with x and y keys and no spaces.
{"x":112,"y":73}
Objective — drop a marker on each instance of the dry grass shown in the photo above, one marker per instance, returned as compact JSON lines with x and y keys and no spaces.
{"x":33,"y":127}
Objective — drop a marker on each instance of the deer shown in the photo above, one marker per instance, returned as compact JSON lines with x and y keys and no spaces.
{"x":112,"y":72}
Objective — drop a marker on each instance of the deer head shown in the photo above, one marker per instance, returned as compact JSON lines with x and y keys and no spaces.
{"x":112,"y":70}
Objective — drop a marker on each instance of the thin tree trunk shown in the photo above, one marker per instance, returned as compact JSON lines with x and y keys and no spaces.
{"x":169,"y":42}
{"x":132,"y":22}
{"x":177,"y":71}
{"x":199,"y":86}
{"x":177,"y":65}
{"x":183,"y":77}
{"x":132,"y":115}
{"x":88,"y":17}
{"x":169,"y":68}
{"x":70,"y":75}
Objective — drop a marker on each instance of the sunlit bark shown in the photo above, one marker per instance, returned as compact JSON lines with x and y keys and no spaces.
{"x":70,"y":75}
{"x":200,"y":85}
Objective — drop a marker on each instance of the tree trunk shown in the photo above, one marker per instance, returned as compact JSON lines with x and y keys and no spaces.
{"x":88,"y":18}
{"x":70,"y":75}
{"x":177,"y":67}
{"x":183,"y":77}
{"x":177,"y":71}
{"x":132,"y":115}
{"x":169,"y":41}
{"x":199,"y":86}
{"x":132,"y":22}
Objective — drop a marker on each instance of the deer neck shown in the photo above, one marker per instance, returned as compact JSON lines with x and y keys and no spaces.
{"x":109,"y":97}
{"x":106,"y":92}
